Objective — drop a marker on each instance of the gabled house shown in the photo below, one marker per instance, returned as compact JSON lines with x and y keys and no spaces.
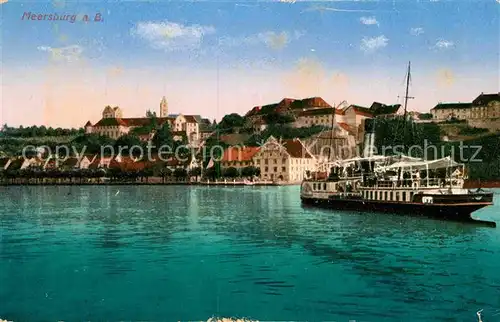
{"x":71,"y":163}
{"x":4,"y":163}
{"x":384,"y":110}
{"x":100,"y":162}
{"x":19,"y":164}
{"x":284,"y":160}
{"x":238,"y":157}
{"x":86,"y":161}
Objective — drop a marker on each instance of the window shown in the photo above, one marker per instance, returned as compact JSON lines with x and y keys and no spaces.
{"x":266,"y":162}
{"x":404,"y":196}
{"x":397,"y":196}
{"x":411,"y":196}
{"x":275,"y":169}
{"x":283,"y":169}
{"x":324,"y":186}
{"x":390,"y":196}
{"x":314,"y":186}
{"x":266,"y":169}
{"x":283,"y":160}
{"x":275,"y":161}
{"x":371,"y":194}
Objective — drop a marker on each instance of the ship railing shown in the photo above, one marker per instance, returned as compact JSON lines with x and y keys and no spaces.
{"x":417,"y":183}
{"x":349,"y":194}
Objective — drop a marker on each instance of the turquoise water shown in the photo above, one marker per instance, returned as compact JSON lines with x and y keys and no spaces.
{"x":188,"y":253}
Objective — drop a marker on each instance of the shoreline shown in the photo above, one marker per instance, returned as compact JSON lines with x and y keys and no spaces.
{"x":223,"y":184}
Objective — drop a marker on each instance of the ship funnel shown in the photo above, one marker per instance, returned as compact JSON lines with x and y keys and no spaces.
{"x":369,"y":139}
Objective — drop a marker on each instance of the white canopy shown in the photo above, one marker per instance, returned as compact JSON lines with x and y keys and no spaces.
{"x":372,"y":158}
{"x":422,"y":165}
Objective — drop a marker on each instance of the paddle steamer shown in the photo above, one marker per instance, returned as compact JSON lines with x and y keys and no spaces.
{"x":396,"y":184}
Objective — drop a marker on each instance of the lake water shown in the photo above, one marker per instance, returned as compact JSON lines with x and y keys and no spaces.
{"x":168,"y":253}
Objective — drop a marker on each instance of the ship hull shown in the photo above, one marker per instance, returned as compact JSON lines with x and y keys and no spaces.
{"x":447,"y":210}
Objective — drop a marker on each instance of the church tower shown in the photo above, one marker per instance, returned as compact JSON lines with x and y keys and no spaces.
{"x":163,"y":107}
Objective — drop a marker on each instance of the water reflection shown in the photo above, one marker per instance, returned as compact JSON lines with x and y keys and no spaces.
{"x":249,"y":240}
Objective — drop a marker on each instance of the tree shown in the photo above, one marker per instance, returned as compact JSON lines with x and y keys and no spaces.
{"x":231,"y":121}
{"x":425,"y":116}
{"x":150,"y":114}
{"x":195,"y":172}
{"x":278,"y":118}
{"x":165,"y":172}
{"x":126,"y":142}
{"x":91,"y":142}
{"x":163,"y":137}
{"x":180,"y":173}
{"x":231,"y":172}
{"x":249,"y":171}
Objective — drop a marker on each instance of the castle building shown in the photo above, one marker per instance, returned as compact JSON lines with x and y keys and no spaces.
{"x":114,"y":125}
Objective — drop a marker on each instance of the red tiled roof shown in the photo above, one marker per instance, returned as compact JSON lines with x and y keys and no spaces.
{"x":360,"y":110}
{"x":71,"y":162}
{"x":289,"y":104}
{"x":339,"y":111}
{"x":137,"y":121}
{"x":346,"y":127}
{"x":319,"y":111}
{"x":296,"y":149}
{"x":319,"y":175}
{"x":99,"y":161}
{"x":363,"y":113}
{"x":239,"y":154}
{"x":3,"y":162}
{"x":260,"y":122}
{"x":190,"y":119}
{"x":309,"y":103}
{"x":128,"y":164}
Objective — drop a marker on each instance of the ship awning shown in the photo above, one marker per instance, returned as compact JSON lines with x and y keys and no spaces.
{"x":372,"y":158}
{"x":422,"y":165}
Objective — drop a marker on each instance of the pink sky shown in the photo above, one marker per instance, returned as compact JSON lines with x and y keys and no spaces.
{"x":68,"y":95}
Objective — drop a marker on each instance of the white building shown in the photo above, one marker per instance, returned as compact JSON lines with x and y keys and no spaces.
{"x":286,"y":160}
{"x":114,"y":125}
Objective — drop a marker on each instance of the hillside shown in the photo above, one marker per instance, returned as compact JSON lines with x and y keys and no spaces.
{"x":461,"y":131}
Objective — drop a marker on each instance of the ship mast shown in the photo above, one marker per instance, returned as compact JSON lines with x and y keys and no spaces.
{"x":407,"y":88}
{"x":408,"y":78}
{"x":403,"y":134}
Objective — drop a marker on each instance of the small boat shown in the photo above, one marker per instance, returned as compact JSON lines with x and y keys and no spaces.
{"x":248,"y":182}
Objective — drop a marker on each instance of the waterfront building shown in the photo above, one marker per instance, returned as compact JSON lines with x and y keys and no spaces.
{"x":284,"y":160}
{"x":75,"y":163}
{"x":100,"y":162}
{"x":332,"y":144}
{"x":238,"y":157}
